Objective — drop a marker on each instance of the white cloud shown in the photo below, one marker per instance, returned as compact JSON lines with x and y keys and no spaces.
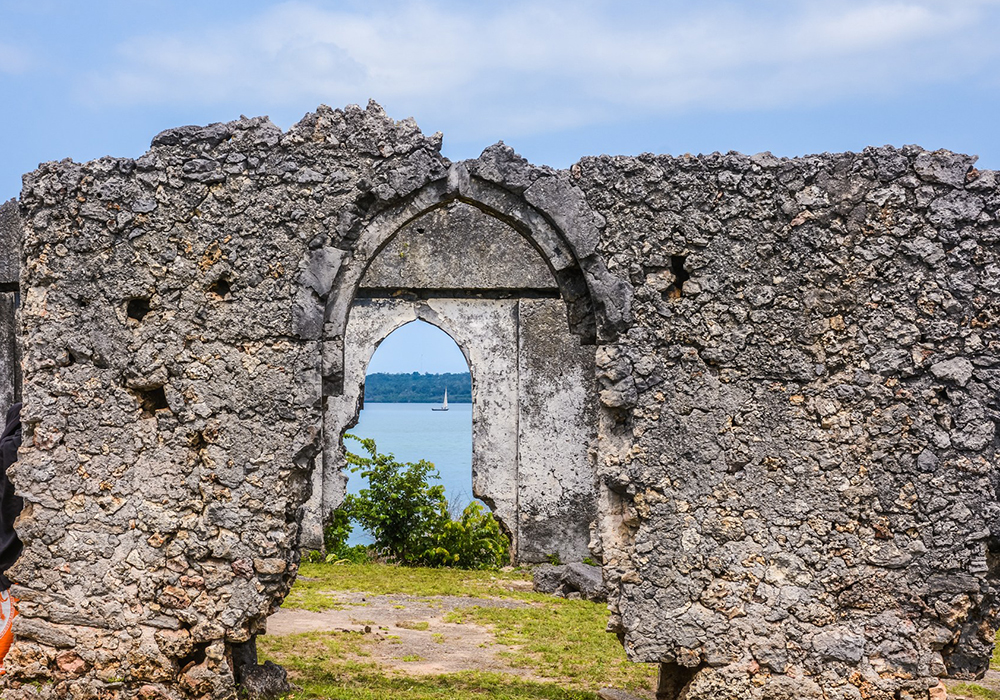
{"x":524,"y":67}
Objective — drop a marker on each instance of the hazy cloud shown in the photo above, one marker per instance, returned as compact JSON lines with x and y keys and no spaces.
{"x":535,"y":68}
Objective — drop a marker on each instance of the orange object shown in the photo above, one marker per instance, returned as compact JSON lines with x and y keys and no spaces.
{"x":7,"y":614}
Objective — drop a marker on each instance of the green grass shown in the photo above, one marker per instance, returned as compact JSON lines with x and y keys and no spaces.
{"x":561,"y":643}
{"x":305,"y":597}
{"x":318,"y":584}
{"x":973,"y":691}
{"x":561,"y":639}
{"x":331,"y":666}
{"x":420,"y":626}
{"x":978,"y":692}
{"x":373,"y":685}
{"x":381,"y":579}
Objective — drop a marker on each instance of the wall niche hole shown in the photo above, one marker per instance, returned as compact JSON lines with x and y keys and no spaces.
{"x":137,"y":308}
{"x":152,"y":400}
{"x":195,"y":658}
{"x":221,"y":288}
{"x":196,"y":440}
{"x":676,"y":290}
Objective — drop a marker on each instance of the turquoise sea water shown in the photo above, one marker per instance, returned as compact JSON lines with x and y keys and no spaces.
{"x":412,"y":431}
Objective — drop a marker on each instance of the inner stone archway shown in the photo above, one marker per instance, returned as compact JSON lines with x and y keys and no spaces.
{"x":534,"y":396}
{"x":406,"y":383}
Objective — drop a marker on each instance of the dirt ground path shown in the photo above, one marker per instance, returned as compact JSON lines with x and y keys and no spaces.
{"x":413,"y":634}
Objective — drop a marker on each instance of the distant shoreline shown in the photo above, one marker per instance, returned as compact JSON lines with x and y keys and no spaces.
{"x":415,"y":387}
{"x":429,"y":403}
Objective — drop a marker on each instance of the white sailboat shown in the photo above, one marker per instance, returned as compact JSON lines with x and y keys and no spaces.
{"x":444,"y":404}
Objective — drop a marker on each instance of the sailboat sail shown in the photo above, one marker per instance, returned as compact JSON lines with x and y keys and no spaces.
{"x":444,"y":404}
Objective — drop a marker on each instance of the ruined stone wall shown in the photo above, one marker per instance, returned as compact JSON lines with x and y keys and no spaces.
{"x":10,"y":269}
{"x":798,"y":372}
{"x":802,"y":476}
{"x":171,"y":318}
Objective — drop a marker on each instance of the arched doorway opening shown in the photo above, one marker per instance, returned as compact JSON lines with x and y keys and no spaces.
{"x":495,"y":291}
{"x":406,"y":382}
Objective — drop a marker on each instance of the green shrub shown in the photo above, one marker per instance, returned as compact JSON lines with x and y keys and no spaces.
{"x":408,"y":518}
{"x":399,"y":508}
{"x":336,"y":532}
{"x":474,"y":541}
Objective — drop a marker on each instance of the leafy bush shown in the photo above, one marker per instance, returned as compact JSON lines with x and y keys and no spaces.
{"x":408,"y":517}
{"x":399,"y":508}
{"x":336,"y":532}
{"x":474,"y":541}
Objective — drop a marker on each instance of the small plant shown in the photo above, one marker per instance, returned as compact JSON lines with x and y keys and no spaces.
{"x":589,"y":561}
{"x":474,"y":541}
{"x":399,"y":508}
{"x":409,"y":518}
{"x":336,"y":532}
{"x":553,"y":559}
{"x":419,"y":625}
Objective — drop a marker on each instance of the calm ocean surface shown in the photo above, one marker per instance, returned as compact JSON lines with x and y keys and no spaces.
{"x":412,"y":431}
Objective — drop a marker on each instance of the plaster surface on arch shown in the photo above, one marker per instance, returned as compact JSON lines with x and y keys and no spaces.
{"x":457,"y":247}
{"x":557,"y":252}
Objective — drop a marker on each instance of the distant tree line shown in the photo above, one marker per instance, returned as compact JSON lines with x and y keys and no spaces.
{"x":381,"y":387}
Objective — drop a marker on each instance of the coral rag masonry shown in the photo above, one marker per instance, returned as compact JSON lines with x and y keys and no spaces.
{"x":762,"y":391}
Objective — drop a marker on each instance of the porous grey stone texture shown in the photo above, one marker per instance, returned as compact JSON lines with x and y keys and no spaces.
{"x":801,"y":477}
{"x":797,"y":372}
{"x":11,"y":233}
{"x":266,"y":681}
{"x":564,"y":580}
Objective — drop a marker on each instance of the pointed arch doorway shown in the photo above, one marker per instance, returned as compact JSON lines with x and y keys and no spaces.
{"x":534,"y":407}
{"x":405,"y":384}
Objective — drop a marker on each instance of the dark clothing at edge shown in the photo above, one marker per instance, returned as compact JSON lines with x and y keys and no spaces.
{"x":10,"y":504}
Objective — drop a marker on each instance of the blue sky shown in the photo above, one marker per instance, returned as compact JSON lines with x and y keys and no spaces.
{"x":418,"y":347}
{"x":556,"y":80}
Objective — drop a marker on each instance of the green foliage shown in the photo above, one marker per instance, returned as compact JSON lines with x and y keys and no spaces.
{"x":312,"y":557}
{"x":474,"y":541}
{"x":381,"y":387}
{"x":553,"y":559}
{"x":408,"y":518}
{"x":336,"y":532}
{"x":399,"y":508}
